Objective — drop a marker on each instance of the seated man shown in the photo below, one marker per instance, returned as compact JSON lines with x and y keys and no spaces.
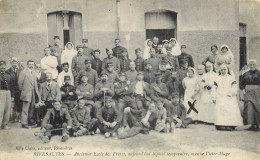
{"x":85,"y":90}
{"x":132,"y":73}
{"x":56,"y":118}
{"x":164,"y":72}
{"x":176,"y":114}
{"x":173,"y":84}
{"x":139,"y":61}
{"x":68,"y":94}
{"x":149,"y":74}
{"x":141,"y":92}
{"x":109,"y":118}
{"x":161,"y":115}
{"x":111,"y":73}
{"x":65,"y":72}
{"x":124,"y":92}
{"x":81,"y":120}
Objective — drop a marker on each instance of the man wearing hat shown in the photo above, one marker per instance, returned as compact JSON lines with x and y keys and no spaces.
{"x":165,"y":73}
{"x":149,"y":73}
{"x":68,"y":94}
{"x":56,"y":51}
{"x":91,"y":74}
{"x":124,"y":90}
{"x":184,"y":56}
{"x":86,"y":50}
{"x":112,"y":74}
{"x":78,"y":62}
{"x":160,"y":54}
{"x":118,"y":50}
{"x":49,"y":63}
{"x":139,"y":61}
{"x":173,"y":62}
{"x":111,"y":59}
{"x":86,"y":91}
{"x":103,"y":90}
{"x":6,"y":94}
{"x":65,"y":72}
{"x":132,"y":73}
{"x":97,"y":62}
{"x":14,"y":72}
{"x":124,"y":61}
{"x":49,"y":92}
{"x":153,"y":60}
{"x":109,"y":118}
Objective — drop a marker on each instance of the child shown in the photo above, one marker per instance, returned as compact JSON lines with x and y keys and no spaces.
{"x":81,"y":119}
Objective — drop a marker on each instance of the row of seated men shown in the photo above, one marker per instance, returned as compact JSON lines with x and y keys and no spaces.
{"x":134,"y":107}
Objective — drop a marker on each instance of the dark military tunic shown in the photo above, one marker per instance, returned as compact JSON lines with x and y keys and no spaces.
{"x":139,"y":62}
{"x":97,"y":65}
{"x":184,"y":57}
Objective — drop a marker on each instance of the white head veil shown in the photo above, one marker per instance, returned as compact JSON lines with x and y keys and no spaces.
{"x":194,"y":71}
{"x":146,"y":49}
{"x":229,"y":50}
{"x":72,"y":48}
{"x":212,"y":67}
{"x":176,"y":50}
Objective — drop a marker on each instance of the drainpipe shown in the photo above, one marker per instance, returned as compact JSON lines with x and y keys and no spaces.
{"x":117,"y":17}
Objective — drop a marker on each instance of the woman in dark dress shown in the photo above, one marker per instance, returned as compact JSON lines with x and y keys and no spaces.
{"x":250,"y":84}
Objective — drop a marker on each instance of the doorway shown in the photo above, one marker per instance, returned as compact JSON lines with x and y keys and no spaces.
{"x":162,"y":24}
{"x":242,"y":45}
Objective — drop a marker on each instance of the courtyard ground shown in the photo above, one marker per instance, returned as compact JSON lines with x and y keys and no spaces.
{"x":195,"y":142}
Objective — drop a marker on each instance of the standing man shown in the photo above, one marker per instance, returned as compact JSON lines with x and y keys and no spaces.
{"x":91,"y":74}
{"x":78,"y":62}
{"x":65,"y":72}
{"x":132,"y":73}
{"x":6,"y":88}
{"x":29,"y":90}
{"x":96,"y":62}
{"x":86,"y":50}
{"x":111,"y":73}
{"x":153,"y":60}
{"x":56,"y":50}
{"x":40,"y":76}
{"x":139,"y":61}
{"x":49,"y":63}
{"x":118,"y":50}
{"x":14,"y":72}
{"x":155,"y":43}
{"x":185,"y":57}
{"x":124,"y":62}
{"x":111,"y":59}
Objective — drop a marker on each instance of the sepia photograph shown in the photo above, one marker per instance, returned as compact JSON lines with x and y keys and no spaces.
{"x":129,"y":79}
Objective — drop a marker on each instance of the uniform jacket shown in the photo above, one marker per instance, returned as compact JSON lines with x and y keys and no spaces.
{"x":41,"y":79}
{"x":120,"y":89}
{"x":124,"y":64}
{"x":52,"y":91}
{"x":14,"y":78}
{"x":27,"y":82}
{"x":108,"y":114}
{"x":78,"y":63}
{"x":99,"y":94}
{"x":82,"y":89}
{"x":9,"y":82}
{"x":184,"y":57}
{"x":50,"y":116}
{"x":139,"y":62}
{"x":114,"y":60}
{"x":91,"y":74}
{"x":65,"y":90}
{"x":97,"y":65}
{"x":156,"y":95}
{"x":81,"y":117}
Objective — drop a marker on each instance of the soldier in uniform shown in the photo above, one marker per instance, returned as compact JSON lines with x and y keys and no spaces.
{"x":185,"y":57}
{"x":124,"y":90}
{"x":112,"y":74}
{"x":86,"y":91}
{"x":173,"y":84}
{"x":14,"y":72}
{"x":159,"y":53}
{"x":6,"y":90}
{"x":132,"y":73}
{"x":66,"y":72}
{"x":111,"y":59}
{"x":164,"y":72}
{"x":40,"y":75}
{"x":181,"y":74}
{"x":172,"y":60}
{"x":153,"y":60}
{"x":56,"y":51}
{"x":139,"y":61}
{"x":56,"y":117}
{"x":109,"y":118}
{"x":118,"y":50}
{"x":78,"y":62}
{"x":149,"y":74}
{"x":68,"y":94}
{"x":96,"y":62}
{"x":124,"y":62}
{"x":82,"y":122}
{"x":91,"y":73}
{"x":86,"y":50}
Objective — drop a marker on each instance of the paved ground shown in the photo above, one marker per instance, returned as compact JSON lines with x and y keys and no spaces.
{"x":197,"y":141}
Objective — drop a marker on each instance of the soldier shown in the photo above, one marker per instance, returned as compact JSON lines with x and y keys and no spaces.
{"x":181,"y":74}
{"x":111,"y":59}
{"x":112,"y":74}
{"x":173,"y":84}
{"x":56,"y":118}
{"x":139,"y":61}
{"x":6,"y":90}
{"x":40,"y":76}
{"x":56,"y":51}
{"x":164,"y":72}
{"x":91,"y":73}
{"x":68,"y":94}
{"x":103,"y":90}
{"x":124,"y":91}
{"x":96,"y":62}
{"x":141,"y":92}
{"x":172,"y":60}
{"x":118,"y":50}
{"x":155,"y":43}
{"x":132,"y":73}
{"x":161,"y":115}
{"x":124,"y":62}
{"x":109,"y":118}
{"x":81,"y":120}
{"x":86,"y":91}
{"x":159,"y":53}
{"x":153,"y":60}
{"x":66,"y":72}
{"x":185,"y":57}
{"x":149,"y":74}
{"x":78,"y":62}
{"x":14,"y":72}
{"x":86,"y":50}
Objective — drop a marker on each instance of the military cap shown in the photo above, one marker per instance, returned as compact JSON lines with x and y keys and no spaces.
{"x":140,"y":73}
{"x":183,"y":46}
{"x":84,"y":74}
{"x":110,"y":64}
{"x":80,"y":98}
{"x":137,"y":50}
{"x":165,"y":41}
{"x":2,"y":63}
{"x":164,"y":63}
{"x":108,"y":99}
{"x":56,"y":37}
{"x":122,"y":74}
{"x":175,"y":95}
{"x":157,"y":74}
{"x":87,"y":61}
{"x":103,"y":73}
{"x":14,"y":59}
{"x":85,"y":40}
{"x":79,"y":46}
{"x":96,"y":50}
{"x":66,"y":78}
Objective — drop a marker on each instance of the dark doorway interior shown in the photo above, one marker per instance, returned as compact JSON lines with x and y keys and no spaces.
{"x":66,"y":34}
{"x":243,"y":53}
{"x":162,"y":34}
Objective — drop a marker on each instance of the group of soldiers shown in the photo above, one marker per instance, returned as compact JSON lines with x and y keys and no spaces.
{"x":117,"y":96}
